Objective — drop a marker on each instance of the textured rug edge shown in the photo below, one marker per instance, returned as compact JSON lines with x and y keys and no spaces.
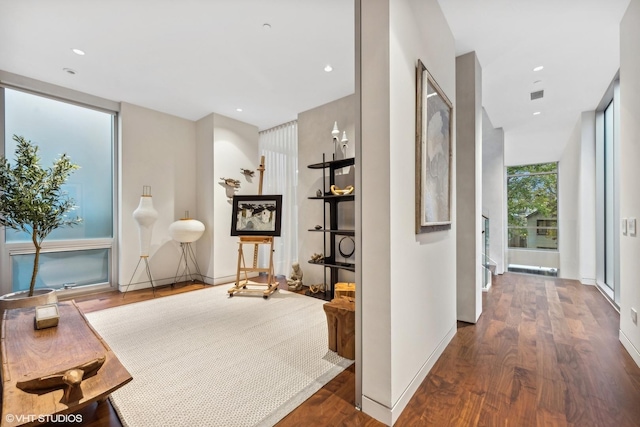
{"x":290,"y":405}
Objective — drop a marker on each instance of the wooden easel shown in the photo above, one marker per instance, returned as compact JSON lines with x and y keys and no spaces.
{"x":242,"y":286}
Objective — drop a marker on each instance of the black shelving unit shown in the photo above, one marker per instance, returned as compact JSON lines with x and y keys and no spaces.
{"x":330,"y":224}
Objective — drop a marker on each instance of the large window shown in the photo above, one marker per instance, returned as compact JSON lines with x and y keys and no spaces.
{"x":72,"y":256}
{"x":532,"y":206}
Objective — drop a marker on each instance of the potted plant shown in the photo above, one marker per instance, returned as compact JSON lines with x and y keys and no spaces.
{"x":31,"y":200}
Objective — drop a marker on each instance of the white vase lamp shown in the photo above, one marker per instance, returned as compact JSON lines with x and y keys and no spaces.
{"x":145,"y":216}
{"x":186,"y":230}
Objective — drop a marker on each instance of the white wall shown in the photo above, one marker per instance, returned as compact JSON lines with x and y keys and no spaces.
{"x":235,"y":146}
{"x":205,"y":182}
{"x":468,"y":116}
{"x":314,"y":139}
{"x":408,"y":280}
{"x":587,"y":201}
{"x":630,"y":175}
{"x":568,"y":205}
{"x":494,"y":200}
{"x":157,"y":150}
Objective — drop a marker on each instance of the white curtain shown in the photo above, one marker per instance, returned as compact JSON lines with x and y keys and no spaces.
{"x":279,"y":146}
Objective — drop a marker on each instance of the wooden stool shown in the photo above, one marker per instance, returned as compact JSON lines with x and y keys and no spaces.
{"x":341,"y":326}
{"x":343,"y":289}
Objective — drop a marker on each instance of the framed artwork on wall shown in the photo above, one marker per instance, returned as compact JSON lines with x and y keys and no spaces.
{"x":256,"y":215}
{"x":434,"y":114}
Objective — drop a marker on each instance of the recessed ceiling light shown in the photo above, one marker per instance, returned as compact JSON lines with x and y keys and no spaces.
{"x":78,"y":51}
{"x":266,"y":26}
{"x":538,"y":68}
{"x":328,"y":68}
{"x":239,"y":110}
{"x":69,"y":71}
{"x":537,"y":113}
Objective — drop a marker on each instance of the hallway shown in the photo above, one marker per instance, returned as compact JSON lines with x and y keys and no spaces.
{"x":545,"y":351}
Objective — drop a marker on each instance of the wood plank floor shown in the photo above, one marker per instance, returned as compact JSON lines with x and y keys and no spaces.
{"x":545,"y":352}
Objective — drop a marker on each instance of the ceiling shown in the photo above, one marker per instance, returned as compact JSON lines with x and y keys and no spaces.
{"x":194,"y":57}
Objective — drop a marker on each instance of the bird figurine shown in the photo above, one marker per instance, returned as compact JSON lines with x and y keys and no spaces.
{"x":247,"y":172}
{"x":231,"y":182}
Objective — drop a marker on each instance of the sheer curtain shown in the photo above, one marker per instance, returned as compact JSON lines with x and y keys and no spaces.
{"x":279,"y":146}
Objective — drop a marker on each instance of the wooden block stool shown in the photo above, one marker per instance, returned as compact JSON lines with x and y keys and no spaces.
{"x":343,"y":289}
{"x":341,"y":324}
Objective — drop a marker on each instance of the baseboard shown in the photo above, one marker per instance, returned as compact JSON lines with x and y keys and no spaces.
{"x":388,"y":415}
{"x":631,"y":349}
{"x":145,"y":285}
{"x":590,"y":282}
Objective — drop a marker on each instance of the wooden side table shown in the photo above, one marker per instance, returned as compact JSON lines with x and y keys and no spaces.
{"x":341,"y":326}
{"x":40,"y":358}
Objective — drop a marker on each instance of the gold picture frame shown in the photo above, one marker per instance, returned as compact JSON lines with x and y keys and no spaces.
{"x":434,"y":121}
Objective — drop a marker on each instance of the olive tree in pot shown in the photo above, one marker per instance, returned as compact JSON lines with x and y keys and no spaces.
{"x":32,"y":200}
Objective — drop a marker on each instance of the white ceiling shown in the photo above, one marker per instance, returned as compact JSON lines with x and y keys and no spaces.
{"x":577,"y":42}
{"x":188,"y":58}
{"x":193,"y":57}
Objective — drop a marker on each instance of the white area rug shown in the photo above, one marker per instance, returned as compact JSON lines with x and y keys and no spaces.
{"x":203,"y":359}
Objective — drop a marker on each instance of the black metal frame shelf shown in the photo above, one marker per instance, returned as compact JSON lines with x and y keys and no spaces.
{"x":330,"y":225}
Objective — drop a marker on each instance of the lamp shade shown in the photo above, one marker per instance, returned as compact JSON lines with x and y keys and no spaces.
{"x":145,"y":215}
{"x":186,"y":230}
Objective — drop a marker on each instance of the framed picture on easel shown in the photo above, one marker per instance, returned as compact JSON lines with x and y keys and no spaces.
{"x":259,"y":215}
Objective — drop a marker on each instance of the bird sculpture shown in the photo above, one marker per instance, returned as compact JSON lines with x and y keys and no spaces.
{"x":231,"y":182}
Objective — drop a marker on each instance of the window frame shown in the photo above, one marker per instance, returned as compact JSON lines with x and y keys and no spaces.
{"x":46,"y":90}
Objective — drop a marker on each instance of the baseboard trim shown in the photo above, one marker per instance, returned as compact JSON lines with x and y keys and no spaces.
{"x":388,"y":415}
{"x":590,"y":282}
{"x":631,"y":349}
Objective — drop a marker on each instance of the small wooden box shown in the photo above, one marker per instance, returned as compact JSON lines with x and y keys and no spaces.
{"x":47,"y":316}
{"x":343,"y":289}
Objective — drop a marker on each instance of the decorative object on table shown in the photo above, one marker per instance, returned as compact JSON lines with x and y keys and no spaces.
{"x":434,"y":114}
{"x":347,"y":246}
{"x":47,"y":316}
{"x":335,"y":138}
{"x":338,"y":192}
{"x":317,"y":288}
{"x":247,"y":172}
{"x":69,"y":379}
{"x":295,"y":279}
{"x":32,"y":200}
{"x":256,"y":215}
{"x":344,"y":141}
{"x":186,"y":231}
{"x":316,"y":258}
{"x":344,"y":289}
{"x":318,"y":227}
{"x":145,"y":216}
{"x":318,"y":193}
{"x":231,"y":182}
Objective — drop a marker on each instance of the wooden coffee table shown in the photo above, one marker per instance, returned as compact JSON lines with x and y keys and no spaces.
{"x":57,"y":370}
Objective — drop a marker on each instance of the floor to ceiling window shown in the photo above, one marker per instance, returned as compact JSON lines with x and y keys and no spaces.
{"x":532,"y":210}
{"x":607,"y":197}
{"x":71,"y":256}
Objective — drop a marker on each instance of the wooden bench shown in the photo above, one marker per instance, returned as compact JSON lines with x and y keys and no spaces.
{"x":57,"y":370}
{"x":341,"y":326}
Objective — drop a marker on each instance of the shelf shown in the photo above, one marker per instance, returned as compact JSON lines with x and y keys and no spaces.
{"x":334,"y":164}
{"x":342,"y":265}
{"x":345,"y":198}
{"x":341,"y":232}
